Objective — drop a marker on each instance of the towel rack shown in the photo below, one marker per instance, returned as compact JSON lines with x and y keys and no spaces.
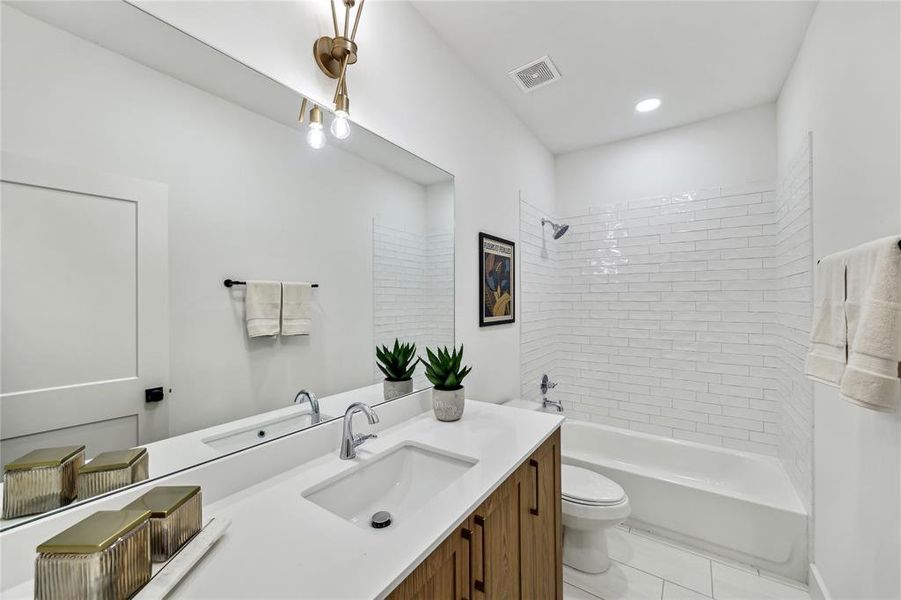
{"x":233,"y":282}
{"x":899,"y":248}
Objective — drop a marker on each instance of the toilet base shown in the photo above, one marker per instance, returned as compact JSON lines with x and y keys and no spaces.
{"x":586,"y":549}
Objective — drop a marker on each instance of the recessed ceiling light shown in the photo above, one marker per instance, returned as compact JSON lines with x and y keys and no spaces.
{"x":648,"y":104}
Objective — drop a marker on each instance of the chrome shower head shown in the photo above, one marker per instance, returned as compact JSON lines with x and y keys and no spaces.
{"x":559,"y":230}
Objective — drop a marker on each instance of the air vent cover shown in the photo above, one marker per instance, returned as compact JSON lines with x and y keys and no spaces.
{"x":536,"y":74}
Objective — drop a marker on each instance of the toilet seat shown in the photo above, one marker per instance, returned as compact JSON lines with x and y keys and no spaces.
{"x":587,"y":488}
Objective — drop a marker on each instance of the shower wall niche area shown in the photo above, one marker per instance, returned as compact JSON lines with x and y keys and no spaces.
{"x":683,"y":316}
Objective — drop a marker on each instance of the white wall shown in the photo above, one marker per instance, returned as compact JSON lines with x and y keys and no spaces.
{"x":247,"y":199}
{"x":844,"y":87}
{"x":411,"y":88}
{"x":729,"y":149}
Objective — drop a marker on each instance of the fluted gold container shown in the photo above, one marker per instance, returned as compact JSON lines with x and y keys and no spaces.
{"x":41,"y":480}
{"x":103,"y":557}
{"x":110,"y":471}
{"x":176,"y":514}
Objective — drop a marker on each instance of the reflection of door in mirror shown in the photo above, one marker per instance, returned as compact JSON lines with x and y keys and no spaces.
{"x":84,"y":308}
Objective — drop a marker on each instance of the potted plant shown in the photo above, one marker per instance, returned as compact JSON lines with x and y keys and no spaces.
{"x":444,"y":371}
{"x":398,"y":365}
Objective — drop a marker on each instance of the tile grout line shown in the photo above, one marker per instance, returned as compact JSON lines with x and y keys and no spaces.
{"x":754,"y":571}
{"x":711,"y":556}
{"x":589,"y":592}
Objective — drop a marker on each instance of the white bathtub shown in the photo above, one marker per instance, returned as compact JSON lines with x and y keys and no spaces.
{"x":736,"y":504}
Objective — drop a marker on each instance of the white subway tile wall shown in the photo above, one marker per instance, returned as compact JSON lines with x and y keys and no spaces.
{"x":413,"y":290}
{"x":684,"y":316}
{"x":793,"y":263}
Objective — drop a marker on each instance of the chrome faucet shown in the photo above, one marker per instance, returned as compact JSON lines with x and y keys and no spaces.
{"x":547,"y":384}
{"x":349,"y":441}
{"x":305,"y":396}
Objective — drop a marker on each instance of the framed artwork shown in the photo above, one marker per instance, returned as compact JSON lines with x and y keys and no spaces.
{"x":496,"y":290}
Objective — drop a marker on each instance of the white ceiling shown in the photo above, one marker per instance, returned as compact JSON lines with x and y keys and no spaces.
{"x":701,"y":58}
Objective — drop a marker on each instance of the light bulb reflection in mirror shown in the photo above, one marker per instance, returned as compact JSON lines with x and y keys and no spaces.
{"x":315,"y":136}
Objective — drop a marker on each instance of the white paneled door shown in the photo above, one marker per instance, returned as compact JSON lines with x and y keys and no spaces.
{"x":84,"y":308}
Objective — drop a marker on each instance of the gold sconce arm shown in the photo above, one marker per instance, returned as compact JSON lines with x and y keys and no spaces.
{"x":335,"y":54}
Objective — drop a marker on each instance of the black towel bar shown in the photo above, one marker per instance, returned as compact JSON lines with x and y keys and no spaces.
{"x":233,"y":282}
{"x":899,"y":248}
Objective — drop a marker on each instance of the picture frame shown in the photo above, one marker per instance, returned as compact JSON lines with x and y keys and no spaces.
{"x":497,"y":278}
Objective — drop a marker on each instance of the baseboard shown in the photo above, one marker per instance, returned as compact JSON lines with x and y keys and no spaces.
{"x":815,"y":584}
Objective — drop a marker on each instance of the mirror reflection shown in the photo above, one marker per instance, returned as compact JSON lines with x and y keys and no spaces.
{"x":181,"y":271}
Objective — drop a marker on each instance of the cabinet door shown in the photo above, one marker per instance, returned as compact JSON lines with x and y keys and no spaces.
{"x":541,"y":522}
{"x":444,"y":575}
{"x":495,"y":545}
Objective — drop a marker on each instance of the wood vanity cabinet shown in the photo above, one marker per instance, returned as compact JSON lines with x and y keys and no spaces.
{"x":510,"y":547}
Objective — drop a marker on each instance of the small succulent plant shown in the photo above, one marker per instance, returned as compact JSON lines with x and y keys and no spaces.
{"x":443,"y":368}
{"x":398,"y":363}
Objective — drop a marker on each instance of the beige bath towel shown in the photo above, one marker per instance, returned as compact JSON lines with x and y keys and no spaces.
{"x":826,"y":358}
{"x":262,"y":307}
{"x":873,"y":309}
{"x":297,"y":313}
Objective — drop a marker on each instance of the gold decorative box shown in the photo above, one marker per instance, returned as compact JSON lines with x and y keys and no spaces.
{"x":103,"y":557}
{"x":110,"y":471}
{"x":176,"y":514}
{"x":41,"y":480}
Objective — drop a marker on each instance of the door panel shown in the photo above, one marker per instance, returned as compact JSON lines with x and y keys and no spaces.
{"x":103,"y":436}
{"x":69,"y":312}
{"x":83,"y":301}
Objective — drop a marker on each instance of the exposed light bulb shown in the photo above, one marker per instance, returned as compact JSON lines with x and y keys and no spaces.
{"x":648,"y":105}
{"x":340,"y":127}
{"x":315,"y":136}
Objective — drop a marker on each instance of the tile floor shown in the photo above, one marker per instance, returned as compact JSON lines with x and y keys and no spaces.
{"x":647,"y":567}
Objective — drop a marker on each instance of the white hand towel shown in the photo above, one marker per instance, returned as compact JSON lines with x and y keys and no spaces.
{"x":873,"y":309}
{"x":262,"y":307}
{"x":826,"y":358}
{"x":297,"y":313}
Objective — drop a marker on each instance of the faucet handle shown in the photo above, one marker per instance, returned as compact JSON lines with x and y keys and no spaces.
{"x":359,"y":438}
{"x":546,"y":384}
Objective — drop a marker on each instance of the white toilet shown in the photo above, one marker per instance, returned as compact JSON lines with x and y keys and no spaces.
{"x":592,"y":504}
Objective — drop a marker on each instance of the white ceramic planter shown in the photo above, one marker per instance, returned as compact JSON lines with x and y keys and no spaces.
{"x":396,"y":389}
{"x":448,"y":404}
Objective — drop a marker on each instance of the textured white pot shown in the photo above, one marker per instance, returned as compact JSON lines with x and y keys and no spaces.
{"x":448,"y":404}
{"x":396,"y":389}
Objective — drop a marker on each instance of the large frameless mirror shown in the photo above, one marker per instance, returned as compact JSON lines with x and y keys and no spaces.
{"x":141,"y":170}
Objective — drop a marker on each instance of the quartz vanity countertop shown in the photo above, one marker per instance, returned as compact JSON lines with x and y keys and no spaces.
{"x":283,"y":545}
{"x":188,"y":449}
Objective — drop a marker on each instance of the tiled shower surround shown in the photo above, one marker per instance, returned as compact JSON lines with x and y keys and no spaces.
{"x":684,"y":316}
{"x":413,"y":285}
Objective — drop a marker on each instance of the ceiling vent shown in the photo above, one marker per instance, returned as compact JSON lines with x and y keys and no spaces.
{"x":536,"y":74}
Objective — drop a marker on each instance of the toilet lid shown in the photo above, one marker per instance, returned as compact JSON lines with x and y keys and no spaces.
{"x":587,"y":487}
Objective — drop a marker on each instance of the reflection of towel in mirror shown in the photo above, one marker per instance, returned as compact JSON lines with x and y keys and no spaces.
{"x":262,"y":307}
{"x":297,"y":314}
{"x":826,"y":358}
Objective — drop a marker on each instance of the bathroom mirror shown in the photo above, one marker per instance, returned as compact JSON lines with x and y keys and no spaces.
{"x":141,"y":170}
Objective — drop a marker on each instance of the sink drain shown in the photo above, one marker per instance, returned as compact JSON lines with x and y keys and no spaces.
{"x":381,"y":519}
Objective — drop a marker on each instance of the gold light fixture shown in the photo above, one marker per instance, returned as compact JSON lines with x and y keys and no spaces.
{"x":333,"y":55}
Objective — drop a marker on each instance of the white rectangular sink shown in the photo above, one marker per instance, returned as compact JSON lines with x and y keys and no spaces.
{"x":258,"y":433}
{"x":399,"y":481}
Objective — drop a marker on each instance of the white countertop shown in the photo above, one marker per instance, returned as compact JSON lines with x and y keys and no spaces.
{"x":282,"y":545}
{"x":188,"y":449}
